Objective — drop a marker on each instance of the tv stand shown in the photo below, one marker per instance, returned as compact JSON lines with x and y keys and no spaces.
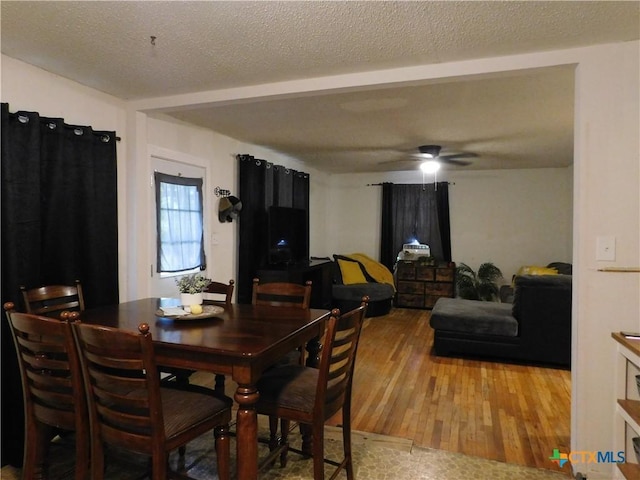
{"x":318,"y":271}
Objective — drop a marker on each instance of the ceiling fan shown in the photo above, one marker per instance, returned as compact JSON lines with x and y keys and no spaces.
{"x":431,"y":154}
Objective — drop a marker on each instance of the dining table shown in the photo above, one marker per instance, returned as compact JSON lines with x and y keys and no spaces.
{"x":238,"y":340}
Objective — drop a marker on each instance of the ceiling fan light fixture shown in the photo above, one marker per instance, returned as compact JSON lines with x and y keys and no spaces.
{"x":429,"y":151}
{"x":430,"y":166}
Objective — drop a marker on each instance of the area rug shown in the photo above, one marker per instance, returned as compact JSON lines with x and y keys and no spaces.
{"x":375,"y":457}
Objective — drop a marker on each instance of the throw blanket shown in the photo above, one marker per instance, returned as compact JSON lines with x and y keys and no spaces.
{"x":375,"y":270}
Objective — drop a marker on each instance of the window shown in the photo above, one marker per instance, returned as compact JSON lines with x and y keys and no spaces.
{"x":179,"y":220}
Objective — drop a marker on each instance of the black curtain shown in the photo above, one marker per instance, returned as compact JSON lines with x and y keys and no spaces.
{"x":415,"y":212}
{"x":59,"y":224}
{"x":262,"y":185}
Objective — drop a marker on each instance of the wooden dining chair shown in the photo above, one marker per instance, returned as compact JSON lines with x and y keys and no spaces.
{"x":219,"y":288}
{"x":181,"y":376}
{"x":281,"y":294}
{"x":129,"y":409}
{"x":225,"y":289}
{"x":54,"y":397}
{"x":311,"y":396}
{"x":51,"y":300}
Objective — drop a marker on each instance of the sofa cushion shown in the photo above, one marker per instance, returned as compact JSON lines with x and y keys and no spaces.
{"x":536,"y":270}
{"x":473,"y":316}
{"x":374,"y":270}
{"x":351,"y":272}
{"x":540,"y":284}
{"x":338,"y":273}
{"x":562,"y":267}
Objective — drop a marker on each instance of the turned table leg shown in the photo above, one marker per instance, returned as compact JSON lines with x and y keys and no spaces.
{"x":247,"y":432}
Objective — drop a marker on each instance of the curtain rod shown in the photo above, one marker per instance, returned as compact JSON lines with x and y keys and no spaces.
{"x":391,"y":183}
{"x":25,"y":119}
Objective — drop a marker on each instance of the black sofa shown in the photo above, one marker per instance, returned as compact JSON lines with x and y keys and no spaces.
{"x":535,"y":328}
{"x":348,"y":297}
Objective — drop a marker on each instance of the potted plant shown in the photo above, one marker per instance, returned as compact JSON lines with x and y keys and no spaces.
{"x":480,"y":286}
{"x":191,"y":288}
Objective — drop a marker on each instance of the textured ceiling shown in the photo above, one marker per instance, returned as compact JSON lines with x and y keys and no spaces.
{"x":508,"y":121}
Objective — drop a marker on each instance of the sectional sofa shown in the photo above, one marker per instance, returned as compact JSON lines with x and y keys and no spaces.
{"x":536,"y":328}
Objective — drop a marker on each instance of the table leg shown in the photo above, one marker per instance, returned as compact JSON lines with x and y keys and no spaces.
{"x":314,"y":347}
{"x":247,"y":432}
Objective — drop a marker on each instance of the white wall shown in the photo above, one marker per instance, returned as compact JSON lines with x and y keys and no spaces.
{"x":508,"y":217}
{"x":511,"y":217}
{"x":606,"y":200}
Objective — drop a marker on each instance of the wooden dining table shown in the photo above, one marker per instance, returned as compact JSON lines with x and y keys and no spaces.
{"x":241,"y":342}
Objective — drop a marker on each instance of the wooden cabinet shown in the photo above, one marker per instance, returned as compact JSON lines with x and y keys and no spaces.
{"x":627,"y":416}
{"x":420,"y":286}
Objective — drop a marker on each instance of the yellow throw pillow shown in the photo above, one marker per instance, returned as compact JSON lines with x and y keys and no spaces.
{"x":351,"y":272}
{"x":534,"y":270}
{"x":374,"y":269}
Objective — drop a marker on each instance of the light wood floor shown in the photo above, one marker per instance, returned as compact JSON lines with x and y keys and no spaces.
{"x":506,"y":412}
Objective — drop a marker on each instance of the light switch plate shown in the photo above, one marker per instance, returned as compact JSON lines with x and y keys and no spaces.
{"x":606,"y":248}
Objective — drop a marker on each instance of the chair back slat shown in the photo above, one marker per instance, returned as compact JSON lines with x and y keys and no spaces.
{"x":38,"y":379}
{"x":46,"y":343}
{"x":61,"y":399}
{"x":55,"y":417}
{"x":219,"y":288}
{"x":116,"y":361}
{"x":126,"y":422}
{"x":37,"y":361}
{"x":50,"y":300}
{"x":281,"y":294}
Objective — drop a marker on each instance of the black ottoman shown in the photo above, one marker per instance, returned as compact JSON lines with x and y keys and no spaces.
{"x":473,"y":317}
{"x":348,"y":297}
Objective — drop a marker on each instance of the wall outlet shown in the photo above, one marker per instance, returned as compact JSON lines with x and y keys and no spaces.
{"x":606,"y":248}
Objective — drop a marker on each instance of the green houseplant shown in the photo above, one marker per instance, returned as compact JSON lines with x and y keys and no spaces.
{"x":478,"y":286}
{"x":191,"y":288}
{"x":195,"y":283}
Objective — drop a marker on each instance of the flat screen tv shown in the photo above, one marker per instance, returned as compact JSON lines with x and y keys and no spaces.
{"x":288,"y":236}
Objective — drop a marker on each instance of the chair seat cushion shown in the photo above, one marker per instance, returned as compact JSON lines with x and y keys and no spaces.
{"x":291,"y":386}
{"x":184,"y":408}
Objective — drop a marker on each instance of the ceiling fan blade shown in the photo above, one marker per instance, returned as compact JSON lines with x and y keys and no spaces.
{"x":454,"y":161}
{"x":458,"y":155}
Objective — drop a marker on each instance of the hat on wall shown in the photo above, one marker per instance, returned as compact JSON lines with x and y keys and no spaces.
{"x":229,"y":208}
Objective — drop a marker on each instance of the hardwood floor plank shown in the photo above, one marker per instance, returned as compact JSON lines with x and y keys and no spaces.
{"x":500,"y":411}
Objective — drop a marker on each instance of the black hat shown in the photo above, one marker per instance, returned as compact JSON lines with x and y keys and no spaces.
{"x":229,"y":208}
